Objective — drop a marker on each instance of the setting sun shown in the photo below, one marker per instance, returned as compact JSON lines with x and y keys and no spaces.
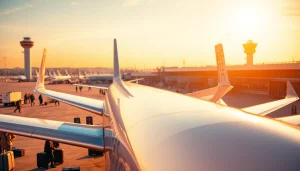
{"x":250,"y":21}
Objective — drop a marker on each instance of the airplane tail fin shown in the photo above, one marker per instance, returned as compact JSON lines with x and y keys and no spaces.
{"x":58,"y":73}
{"x":78,"y":73}
{"x":221,"y":65}
{"x":116,"y":63}
{"x":67,"y":72}
{"x":40,"y":84}
{"x":116,"y":77}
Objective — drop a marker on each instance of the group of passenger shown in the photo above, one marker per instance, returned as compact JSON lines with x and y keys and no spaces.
{"x":101,"y":91}
{"x":29,"y":98}
{"x":80,"y":88}
{"x":6,"y":141}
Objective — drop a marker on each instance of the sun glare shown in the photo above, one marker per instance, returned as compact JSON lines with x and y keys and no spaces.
{"x":248,"y":22}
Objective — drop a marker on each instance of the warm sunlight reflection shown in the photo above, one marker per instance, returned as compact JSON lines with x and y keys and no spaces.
{"x":249,"y":21}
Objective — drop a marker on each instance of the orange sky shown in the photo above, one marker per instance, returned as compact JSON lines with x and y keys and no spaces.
{"x":80,"y":33}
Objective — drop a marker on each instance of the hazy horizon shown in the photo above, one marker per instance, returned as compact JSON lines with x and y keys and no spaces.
{"x":150,"y":33}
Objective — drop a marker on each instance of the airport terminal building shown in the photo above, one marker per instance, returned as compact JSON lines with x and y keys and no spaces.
{"x":266,"y":79}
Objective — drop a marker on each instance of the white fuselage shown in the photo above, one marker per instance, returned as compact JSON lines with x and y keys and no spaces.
{"x":60,"y":78}
{"x":155,"y":129}
{"x":20,"y":78}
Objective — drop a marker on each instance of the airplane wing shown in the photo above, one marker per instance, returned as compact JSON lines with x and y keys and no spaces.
{"x":295,"y":119}
{"x":266,"y":108}
{"x":87,"y":136}
{"x":216,"y":93}
{"x":92,"y":105}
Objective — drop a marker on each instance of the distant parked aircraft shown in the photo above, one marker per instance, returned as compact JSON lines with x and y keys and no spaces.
{"x":20,"y":78}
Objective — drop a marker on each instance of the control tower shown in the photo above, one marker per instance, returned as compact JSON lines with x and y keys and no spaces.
{"x":26,"y":43}
{"x":250,"y":50}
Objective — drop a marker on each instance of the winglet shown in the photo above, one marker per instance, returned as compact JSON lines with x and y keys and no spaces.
{"x":116,"y":63}
{"x":40,"y":84}
{"x":290,"y":91}
{"x":214,"y":94}
{"x":222,"y":70}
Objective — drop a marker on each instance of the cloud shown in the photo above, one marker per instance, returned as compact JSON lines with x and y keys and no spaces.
{"x":13,"y":10}
{"x":75,"y":3}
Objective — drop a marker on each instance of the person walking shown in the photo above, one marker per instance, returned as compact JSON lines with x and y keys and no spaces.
{"x":25,"y":98}
{"x":32,"y":98}
{"x":76,"y":89}
{"x":18,"y":106}
{"x":49,"y":150}
{"x":80,"y":88}
{"x":41,"y":100}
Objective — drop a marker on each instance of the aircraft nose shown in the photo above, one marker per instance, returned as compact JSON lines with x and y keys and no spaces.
{"x":231,"y":146}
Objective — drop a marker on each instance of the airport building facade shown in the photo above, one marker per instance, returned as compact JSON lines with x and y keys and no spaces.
{"x":257,"y":79}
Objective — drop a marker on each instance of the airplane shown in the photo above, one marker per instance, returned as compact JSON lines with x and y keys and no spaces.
{"x":47,"y":77}
{"x":146,"y":128}
{"x":20,"y":78}
{"x":106,"y":78}
{"x":61,"y":78}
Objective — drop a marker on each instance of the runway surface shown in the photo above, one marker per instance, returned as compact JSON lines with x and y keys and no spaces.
{"x":76,"y":156}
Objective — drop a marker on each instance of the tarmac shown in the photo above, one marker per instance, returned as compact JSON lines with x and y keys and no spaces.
{"x":73,"y":156}
{"x":76,"y":156}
